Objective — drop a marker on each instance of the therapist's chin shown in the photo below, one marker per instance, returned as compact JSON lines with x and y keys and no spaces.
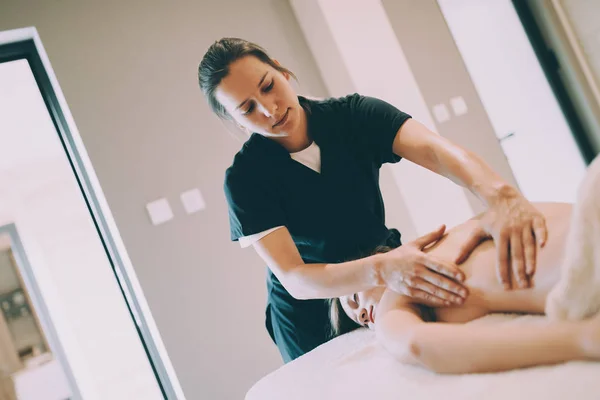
{"x":290,"y":126}
{"x":274,"y":134}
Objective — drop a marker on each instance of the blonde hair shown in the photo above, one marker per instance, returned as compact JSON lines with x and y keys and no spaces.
{"x":338,"y":319}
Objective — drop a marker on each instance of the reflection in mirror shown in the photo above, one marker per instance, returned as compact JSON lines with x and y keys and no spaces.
{"x":28,"y":367}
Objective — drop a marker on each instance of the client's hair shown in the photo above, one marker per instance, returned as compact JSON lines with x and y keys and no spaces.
{"x":340,"y":322}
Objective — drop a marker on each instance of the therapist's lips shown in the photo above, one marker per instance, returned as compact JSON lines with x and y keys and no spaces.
{"x":283,"y":119}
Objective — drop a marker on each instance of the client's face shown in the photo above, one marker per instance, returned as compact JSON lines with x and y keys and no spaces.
{"x":362,"y":306}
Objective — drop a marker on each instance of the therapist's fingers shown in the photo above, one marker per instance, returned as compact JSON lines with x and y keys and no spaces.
{"x":541,"y":231}
{"x":529,"y":248}
{"x":437,"y":291}
{"x":517,"y":260}
{"x":502,"y":269}
{"x":430,"y":238}
{"x":442,"y":267}
{"x":465,"y":250}
{"x":428,"y":299}
{"x":442,"y":282}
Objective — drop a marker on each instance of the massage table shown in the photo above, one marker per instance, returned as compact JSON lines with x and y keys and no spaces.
{"x":355,"y":367}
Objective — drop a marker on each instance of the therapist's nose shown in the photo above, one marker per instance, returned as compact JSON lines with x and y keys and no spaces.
{"x":269,"y":109}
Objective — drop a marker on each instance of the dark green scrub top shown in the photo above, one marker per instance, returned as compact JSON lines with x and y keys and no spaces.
{"x":333,"y":216}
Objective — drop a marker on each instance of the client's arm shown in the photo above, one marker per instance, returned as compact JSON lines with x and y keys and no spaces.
{"x":456,"y":349}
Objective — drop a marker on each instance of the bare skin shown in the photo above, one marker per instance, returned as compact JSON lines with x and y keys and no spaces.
{"x":448,"y":346}
{"x":486,"y":293}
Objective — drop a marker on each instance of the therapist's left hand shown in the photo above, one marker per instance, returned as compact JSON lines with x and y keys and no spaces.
{"x":517,"y":228}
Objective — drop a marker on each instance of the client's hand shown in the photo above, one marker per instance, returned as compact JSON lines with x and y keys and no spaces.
{"x":410,"y":271}
{"x":517,"y":227}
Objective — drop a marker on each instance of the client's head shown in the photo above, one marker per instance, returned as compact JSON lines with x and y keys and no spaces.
{"x":360,"y":309}
{"x":350,"y":312}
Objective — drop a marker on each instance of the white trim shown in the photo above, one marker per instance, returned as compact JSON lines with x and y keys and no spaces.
{"x":247,"y":241}
{"x":17,"y":35}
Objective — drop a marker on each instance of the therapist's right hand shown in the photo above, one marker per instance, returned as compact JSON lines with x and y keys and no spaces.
{"x":410,"y":271}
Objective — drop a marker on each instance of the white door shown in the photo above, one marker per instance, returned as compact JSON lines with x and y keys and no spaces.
{"x":534,"y":134}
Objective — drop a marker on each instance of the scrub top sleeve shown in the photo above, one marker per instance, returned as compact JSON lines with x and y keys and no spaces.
{"x":376,"y":124}
{"x":253,"y":206}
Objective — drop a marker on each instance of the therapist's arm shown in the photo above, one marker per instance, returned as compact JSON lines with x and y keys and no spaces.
{"x":511,"y":220}
{"x":463,"y":349}
{"x":401,"y":269}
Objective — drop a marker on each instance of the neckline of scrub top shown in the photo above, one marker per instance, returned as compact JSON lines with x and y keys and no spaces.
{"x":311,"y":110}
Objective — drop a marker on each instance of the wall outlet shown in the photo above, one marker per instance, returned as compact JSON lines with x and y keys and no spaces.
{"x":458,"y":106}
{"x":159,"y":211}
{"x":193,"y":201}
{"x":441,"y":113}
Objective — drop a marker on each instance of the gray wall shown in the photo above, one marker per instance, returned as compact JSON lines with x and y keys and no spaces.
{"x":440,"y":71}
{"x":128,"y":72}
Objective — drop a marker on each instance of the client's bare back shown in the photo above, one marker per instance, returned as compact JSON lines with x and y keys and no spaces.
{"x":486,"y":294}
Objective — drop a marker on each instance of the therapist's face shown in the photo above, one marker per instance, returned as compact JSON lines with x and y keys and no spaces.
{"x":260,"y":98}
{"x":362,"y":306}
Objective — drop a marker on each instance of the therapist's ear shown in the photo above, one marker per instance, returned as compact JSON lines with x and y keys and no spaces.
{"x":285,"y":74}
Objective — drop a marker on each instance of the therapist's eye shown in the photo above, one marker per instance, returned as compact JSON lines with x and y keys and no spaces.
{"x":268,"y":88}
{"x":249,"y":109}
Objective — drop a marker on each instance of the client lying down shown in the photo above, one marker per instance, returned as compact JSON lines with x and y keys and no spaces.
{"x":438,"y":340}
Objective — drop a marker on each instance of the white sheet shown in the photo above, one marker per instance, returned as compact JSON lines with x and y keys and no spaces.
{"x":355,"y":367}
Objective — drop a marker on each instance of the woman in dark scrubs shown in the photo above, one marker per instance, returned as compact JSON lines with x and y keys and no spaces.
{"x":304,"y":192}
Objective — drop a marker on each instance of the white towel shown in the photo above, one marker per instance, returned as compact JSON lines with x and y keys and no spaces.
{"x":355,"y":367}
{"x":577,"y":293}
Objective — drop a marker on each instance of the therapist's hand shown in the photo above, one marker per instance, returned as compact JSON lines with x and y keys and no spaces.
{"x":517,"y":228}
{"x":410,"y":271}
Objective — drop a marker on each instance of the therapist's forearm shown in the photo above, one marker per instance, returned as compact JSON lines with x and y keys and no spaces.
{"x":322,"y":281}
{"x":418,"y":144}
{"x":470,"y":171}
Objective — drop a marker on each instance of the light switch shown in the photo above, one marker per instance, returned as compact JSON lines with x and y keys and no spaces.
{"x":159,"y":211}
{"x":192,"y":201}
{"x":458,"y":105}
{"x":441,"y":113}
